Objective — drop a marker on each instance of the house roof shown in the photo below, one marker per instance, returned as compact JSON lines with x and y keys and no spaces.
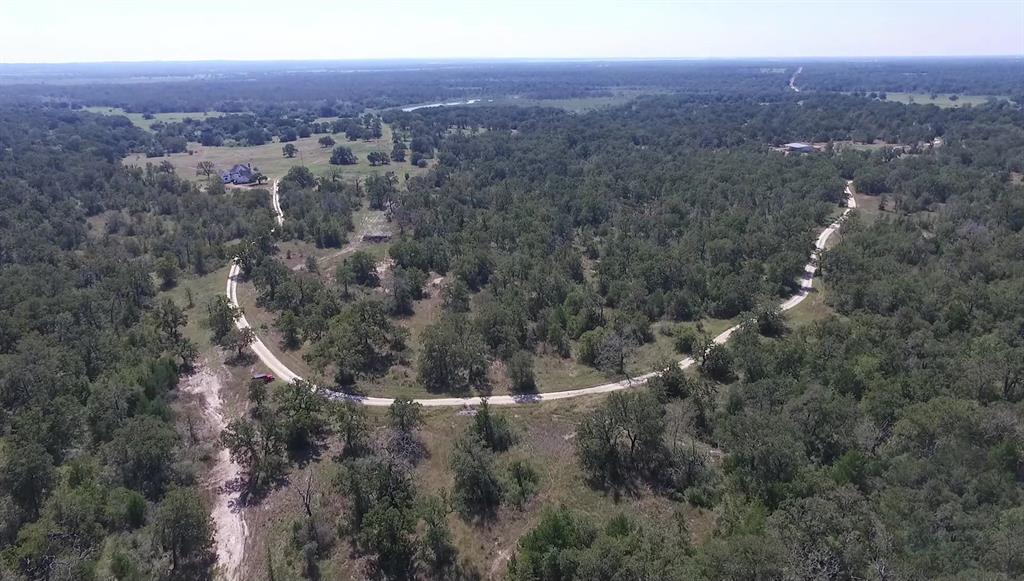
{"x":798,"y":144}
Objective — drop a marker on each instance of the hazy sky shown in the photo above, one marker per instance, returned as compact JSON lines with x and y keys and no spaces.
{"x":133,"y":30}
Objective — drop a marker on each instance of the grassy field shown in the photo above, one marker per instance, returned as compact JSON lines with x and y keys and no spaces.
{"x":546,"y":440}
{"x":269,"y":159}
{"x":868,"y":208}
{"x":943,"y":101}
{"x":147,"y":124}
{"x":812,"y":309}
{"x":233,"y":375}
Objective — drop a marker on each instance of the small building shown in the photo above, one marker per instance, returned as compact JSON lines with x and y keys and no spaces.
{"x":377,"y":236}
{"x":239,"y":175}
{"x":799,"y":147}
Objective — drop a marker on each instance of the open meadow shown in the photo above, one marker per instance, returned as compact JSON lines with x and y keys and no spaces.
{"x":269,"y":159}
{"x":140,"y":120}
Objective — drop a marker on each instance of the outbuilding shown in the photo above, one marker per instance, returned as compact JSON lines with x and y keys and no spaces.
{"x":799,"y":147}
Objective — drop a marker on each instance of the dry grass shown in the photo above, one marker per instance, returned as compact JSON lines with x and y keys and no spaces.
{"x":269,"y":159}
{"x":868,"y":210}
{"x":943,"y":101}
{"x":546,"y":441}
{"x":813,"y":308}
{"x":203,"y":289}
{"x":147,"y":124}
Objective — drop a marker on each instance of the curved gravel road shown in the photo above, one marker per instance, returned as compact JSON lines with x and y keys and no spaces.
{"x":281,"y":371}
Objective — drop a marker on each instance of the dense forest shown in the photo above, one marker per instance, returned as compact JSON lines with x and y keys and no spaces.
{"x":90,"y":356}
{"x":236,"y":88}
{"x":1000,"y":77}
{"x":882,"y":438}
{"x":881,"y":442}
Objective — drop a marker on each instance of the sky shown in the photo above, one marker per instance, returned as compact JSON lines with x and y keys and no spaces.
{"x":41,"y":31}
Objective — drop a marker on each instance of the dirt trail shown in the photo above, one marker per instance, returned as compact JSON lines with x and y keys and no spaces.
{"x":372,"y":222}
{"x":228,"y":519}
{"x":806,"y":287}
{"x":792,"y":80}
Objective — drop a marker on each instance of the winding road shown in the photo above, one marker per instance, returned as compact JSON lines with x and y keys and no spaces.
{"x":282,"y":372}
{"x":792,"y":80}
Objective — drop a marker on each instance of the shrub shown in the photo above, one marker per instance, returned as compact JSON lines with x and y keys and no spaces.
{"x":520,"y":371}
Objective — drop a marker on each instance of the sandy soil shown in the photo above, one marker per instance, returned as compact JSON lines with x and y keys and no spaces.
{"x":223,"y":478}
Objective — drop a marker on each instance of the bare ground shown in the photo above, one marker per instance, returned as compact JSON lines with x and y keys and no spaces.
{"x":223,"y":477}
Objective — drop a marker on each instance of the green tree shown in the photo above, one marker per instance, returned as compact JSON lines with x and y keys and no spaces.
{"x":360,"y":341}
{"x":623,"y":440}
{"x":257,"y":394}
{"x":520,"y":371}
{"x":299,"y":413}
{"x":184,"y":529}
{"x":455,"y":296}
{"x":326,"y":141}
{"x":405,"y":415}
{"x":167,"y":270}
{"x":477,"y":490}
{"x":716,"y":362}
{"x":378,"y":158}
{"x":141,"y":450}
{"x":539,"y":554}
{"x":168,"y":318}
{"x":258,"y":447}
{"x":215,"y":187}
{"x":289,"y":326}
{"x":289,"y":150}
{"x":398,"y":152}
{"x":437,"y":547}
{"x":239,"y":340}
{"x":381,"y":512}
{"x":453,"y":357}
{"x":27,"y":473}
{"x":300,"y":176}
{"x":522,"y":482}
{"x":205,"y":168}
{"x":344,"y":276}
{"x":364,"y":268}
{"x":221,"y":317}
{"x":493,"y":429}
{"x":765,"y":454}
{"x":406,"y":286}
{"x":343,"y":156}
{"x":687,"y":340}
{"x":350,"y":424}
{"x":770,"y":321}
{"x":312,"y":265}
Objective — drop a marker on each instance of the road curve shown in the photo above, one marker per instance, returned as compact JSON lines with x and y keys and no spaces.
{"x":282,"y":372}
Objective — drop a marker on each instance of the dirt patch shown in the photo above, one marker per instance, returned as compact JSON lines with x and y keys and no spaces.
{"x":370,"y":222}
{"x":222,"y":480}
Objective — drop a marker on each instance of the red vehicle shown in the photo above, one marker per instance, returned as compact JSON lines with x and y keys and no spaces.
{"x":264,"y":377}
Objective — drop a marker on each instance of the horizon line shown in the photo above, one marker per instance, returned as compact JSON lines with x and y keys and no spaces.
{"x":554,"y":59}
